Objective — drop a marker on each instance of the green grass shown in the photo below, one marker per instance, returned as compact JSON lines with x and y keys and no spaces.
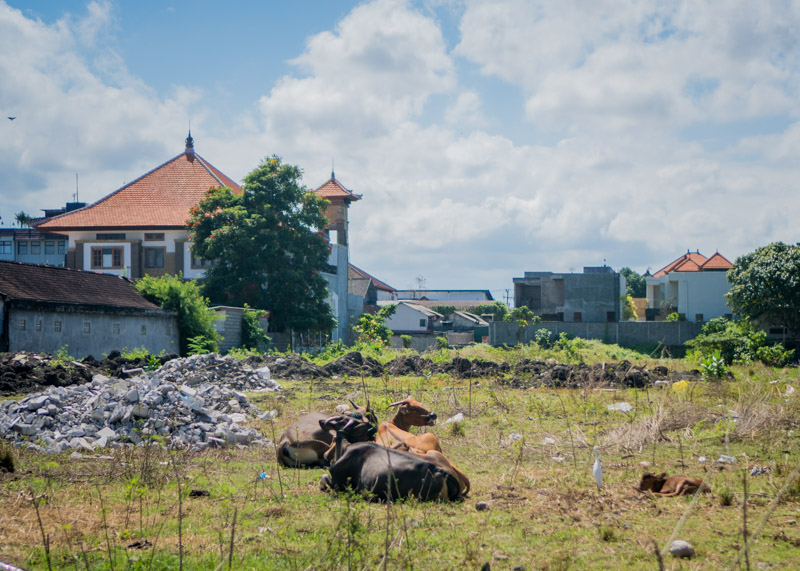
{"x":545,"y":511}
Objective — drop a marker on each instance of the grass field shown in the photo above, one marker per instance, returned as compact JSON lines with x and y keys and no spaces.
{"x":528,"y":454}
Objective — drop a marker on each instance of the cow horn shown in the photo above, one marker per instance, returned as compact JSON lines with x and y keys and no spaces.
{"x":355,"y":406}
{"x":398,"y":403}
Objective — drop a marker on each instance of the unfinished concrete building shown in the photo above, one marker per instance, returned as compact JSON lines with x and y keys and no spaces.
{"x":592,"y":297}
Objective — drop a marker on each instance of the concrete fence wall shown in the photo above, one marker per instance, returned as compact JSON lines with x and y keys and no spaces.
{"x":670,"y":333}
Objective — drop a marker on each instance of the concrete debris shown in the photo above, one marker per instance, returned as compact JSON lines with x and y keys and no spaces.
{"x":620,"y":406}
{"x":681,"y":549}
{"x":190,"y":403}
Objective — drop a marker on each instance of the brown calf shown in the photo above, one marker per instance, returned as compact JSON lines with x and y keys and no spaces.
{"x":663,"y":485}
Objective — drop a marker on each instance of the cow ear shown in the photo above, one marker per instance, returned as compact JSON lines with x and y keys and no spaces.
{"x":662,"y":475}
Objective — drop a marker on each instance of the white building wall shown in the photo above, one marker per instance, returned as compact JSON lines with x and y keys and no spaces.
{"x":407,"y":319}
{"x":692,"y":293}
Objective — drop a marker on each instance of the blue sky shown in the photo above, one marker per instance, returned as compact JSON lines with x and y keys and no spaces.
{"x":487,"y":138}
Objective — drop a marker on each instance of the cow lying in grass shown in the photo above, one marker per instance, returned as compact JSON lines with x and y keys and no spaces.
{"x":306,"y":444}
{"x":395,"y":434}
{"x":384,"y":474}
{"x":663,"y":485}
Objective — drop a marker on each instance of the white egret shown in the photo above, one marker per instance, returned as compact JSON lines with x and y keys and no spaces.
{"x":597,"y":468}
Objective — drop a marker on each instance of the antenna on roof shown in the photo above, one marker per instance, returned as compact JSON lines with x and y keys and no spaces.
{"x":76,"y":187}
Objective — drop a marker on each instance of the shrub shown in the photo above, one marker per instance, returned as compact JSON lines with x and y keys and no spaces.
{"x":442,"y":342}
{"x":194,"y":318}
{"x":371,"y":328}
{"x":253,"y":336}
{"x":738,"y":342}
{"x":543,"y":338}
{"x":674,"y":316}
{"x":406,"y":341}
{"x":713,"y":366}
{"x":201,"y":344}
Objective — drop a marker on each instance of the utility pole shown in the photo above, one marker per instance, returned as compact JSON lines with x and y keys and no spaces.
{"x":508,"y":299}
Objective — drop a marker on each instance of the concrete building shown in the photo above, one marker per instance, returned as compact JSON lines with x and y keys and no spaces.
{"x":446,"y":295}
{"x":591,"y":297}
{"x":32,"y":247}
{"x":692,"y":286}
{"x":45,"y":308}
{"x":412,"y":318}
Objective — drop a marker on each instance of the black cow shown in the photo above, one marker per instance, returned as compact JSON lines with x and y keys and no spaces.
{"x":383,"y":474}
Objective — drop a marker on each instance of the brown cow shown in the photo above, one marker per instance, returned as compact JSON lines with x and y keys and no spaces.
{"x":663,"y":485}
{"x":394,"y":433}
{"x":305,"y":443}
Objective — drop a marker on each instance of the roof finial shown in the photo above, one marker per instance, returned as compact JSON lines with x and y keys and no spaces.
{"x":333,"y":174}
{"x":190,"y":144}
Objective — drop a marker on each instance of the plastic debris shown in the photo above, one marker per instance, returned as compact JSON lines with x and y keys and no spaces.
{"x":514,"y":436}
{"x":702,"y":459}
{"x":723,"y":459}
{"x":549,"y":441}
{"x":457,"y":418}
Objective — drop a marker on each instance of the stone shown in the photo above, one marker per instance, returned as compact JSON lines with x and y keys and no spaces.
{"x":681,"y":549}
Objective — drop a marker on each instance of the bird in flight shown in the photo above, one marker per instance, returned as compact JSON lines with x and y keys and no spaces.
{"x":11,"y":118}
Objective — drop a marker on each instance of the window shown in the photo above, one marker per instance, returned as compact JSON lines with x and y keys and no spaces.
{"x":22,"y":248}
{"x":423,"y":322}
{"x":611,"y":316}
{"x":115,"y":328}
{"x":153,"y":236}
{"x":61,"y":246}
{"x":144,"y":329}
{"x":577,"y":317}
{"x":698,"y":317}
{"x":36,"y":247}
{"x":39,"y":325}
{"x":199,"y":263}
{"x":110,"y":236}
{"x":49,"y":247}
{"x":87,"y":327}
{"x":57,"y":327}
{"x":21,"y":324}
{"x":5,"y":247}
{"x":107,"y":258}
{"x":154,"y":257}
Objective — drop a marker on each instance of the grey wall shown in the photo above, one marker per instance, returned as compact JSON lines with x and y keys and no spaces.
{"x":160,"y":331}
{"x":622,"y":333}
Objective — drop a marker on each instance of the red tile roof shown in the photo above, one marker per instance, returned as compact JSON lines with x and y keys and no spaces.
{"x":354,"y":272}
{"x":31,"y":282}
{"x":717,"y":262}
{"x":695,"y":262}
{"x":334,"y":190}
{"x":159,"y":199}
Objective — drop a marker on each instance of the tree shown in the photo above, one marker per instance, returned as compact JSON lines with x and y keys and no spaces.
{"x":195,"y":320}
{"x":637,"y":286}
{"x":766,"y":284}
{"x":371,"y":328}
{"x":266,"y":247}
{"x":23,"y":218}
{"x":523,"y":316}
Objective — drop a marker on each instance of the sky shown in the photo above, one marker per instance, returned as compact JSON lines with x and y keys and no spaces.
{"x":487,"y":138}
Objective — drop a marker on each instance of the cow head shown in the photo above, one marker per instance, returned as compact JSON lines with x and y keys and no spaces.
{"x":652,"y":482}
{"x":348,"y":428}
{"x":364,"y":412}
{"x":413,"y":413}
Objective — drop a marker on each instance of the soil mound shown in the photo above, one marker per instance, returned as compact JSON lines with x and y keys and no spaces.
{"x":354,"y":364}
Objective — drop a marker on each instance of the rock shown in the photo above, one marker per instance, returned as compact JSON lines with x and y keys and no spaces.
{"x":681,"y":549}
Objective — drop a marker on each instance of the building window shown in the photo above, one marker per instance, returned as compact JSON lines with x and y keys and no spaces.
{"x":154,"y":257}
{"x":115,"y":328}
{"x":144,"y":329}
{"x":110,"y":236}
{"x":39,"y":325}
{"x":21,"y":324}
{"x":62,"y":246}
{"x":87,"y":327}
{"x":49,"y":247}
{"x":577,"y":317}
{"x":107,"y":258}
{"x":199,"y":263}
{"x":423,"y":322}
{"x":153,"y":236}
{"x":5,"y":247}
{"x":36,"y":247}
{"x":57,"y":327}
{"x":611,"y":316}
{"x":22,"y":248}
{"x":698,"y":317}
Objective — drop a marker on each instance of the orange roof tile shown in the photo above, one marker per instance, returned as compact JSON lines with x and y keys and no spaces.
{"x":695,"y":262}
{"x":717,"y":262}
{"x":334,"y":190}
{"x":159,"y":199}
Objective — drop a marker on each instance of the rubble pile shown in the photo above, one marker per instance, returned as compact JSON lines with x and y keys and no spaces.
{"x":190,"y":403}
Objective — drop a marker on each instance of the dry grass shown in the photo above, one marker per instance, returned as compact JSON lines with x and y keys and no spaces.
{"x":544,"y":509}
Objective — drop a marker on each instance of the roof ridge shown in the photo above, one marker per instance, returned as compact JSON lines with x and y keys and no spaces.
{"x":207,"y":166}
{"x":65,"y":269}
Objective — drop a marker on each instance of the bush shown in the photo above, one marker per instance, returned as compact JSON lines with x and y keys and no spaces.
{"x":542,"y":338}
{"x":194,"y":318}
{"x":406,"y":341}
{"x":442,"y":342}
{"x":253,"y":336}
{"x":738,"y":342}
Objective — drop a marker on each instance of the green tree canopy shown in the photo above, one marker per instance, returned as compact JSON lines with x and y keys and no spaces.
{"x":266,"y":247}
{"x":637,"y":287}
{"x":766,"y":283}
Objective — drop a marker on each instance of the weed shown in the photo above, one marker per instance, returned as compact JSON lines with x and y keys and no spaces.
{"x":726,"y":497}
{"x":456,"y":429}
